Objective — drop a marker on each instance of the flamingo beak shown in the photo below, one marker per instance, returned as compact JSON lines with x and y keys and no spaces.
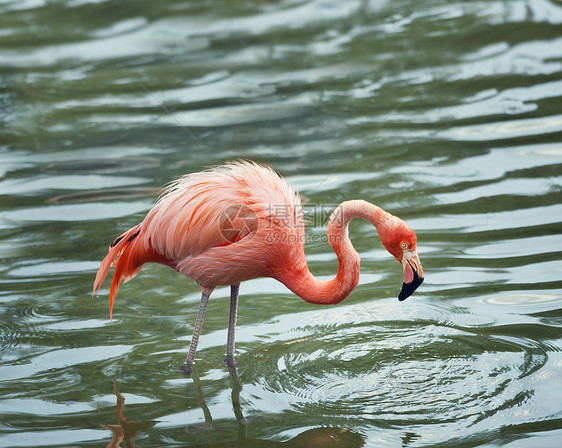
{"x":413,"y":274}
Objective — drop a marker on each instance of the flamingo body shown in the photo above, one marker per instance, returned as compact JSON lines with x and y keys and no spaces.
{"x":241,"y":221}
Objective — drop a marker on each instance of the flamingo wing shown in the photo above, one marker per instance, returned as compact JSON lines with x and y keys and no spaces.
{"x":214,"y":208}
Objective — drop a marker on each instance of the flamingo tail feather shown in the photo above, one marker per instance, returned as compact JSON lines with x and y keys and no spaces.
{"x":126,"y":253}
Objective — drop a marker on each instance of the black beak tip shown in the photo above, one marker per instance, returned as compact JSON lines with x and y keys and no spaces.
{"x":409,"y":288}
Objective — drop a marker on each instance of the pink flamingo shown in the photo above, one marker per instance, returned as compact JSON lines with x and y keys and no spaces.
{"x":242,"y":221}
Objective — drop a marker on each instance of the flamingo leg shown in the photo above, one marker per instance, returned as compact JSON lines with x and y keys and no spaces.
{"x":187,"y":367}
{"x":234,"y":289}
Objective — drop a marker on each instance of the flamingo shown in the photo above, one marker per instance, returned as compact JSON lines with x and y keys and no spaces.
{"x":241,"y":221}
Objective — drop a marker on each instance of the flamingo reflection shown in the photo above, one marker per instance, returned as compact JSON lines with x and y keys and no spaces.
{"x":326,"y":437}
{"x":125,"y":431}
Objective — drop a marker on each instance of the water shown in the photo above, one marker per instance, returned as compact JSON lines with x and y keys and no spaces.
{"x":444,"y":113}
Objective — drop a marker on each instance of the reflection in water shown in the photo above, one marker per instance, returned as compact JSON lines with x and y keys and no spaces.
{"x":125,"y":431}
{"x":326,"y":437}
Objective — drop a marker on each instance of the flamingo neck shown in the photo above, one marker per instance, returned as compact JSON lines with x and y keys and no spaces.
{"x":300,"y":280}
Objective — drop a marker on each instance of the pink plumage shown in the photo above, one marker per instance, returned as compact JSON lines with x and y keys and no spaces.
{"x":240,"y":221}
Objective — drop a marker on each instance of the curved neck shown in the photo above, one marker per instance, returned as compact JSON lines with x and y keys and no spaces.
{"x":300,"y":280}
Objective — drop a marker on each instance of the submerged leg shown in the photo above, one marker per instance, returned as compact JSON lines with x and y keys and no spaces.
{"x":186,"y":368}
{"x":195,"y":387}
{"x":232,"y":324}
{"x":236,"y":389}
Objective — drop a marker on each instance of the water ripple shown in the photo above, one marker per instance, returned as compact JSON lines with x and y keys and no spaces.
{"x":397,"y":374}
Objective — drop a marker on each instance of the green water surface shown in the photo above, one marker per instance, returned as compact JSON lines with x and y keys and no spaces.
{"x":445,"y":113}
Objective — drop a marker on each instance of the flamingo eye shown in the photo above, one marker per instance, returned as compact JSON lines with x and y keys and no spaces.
{"x":403,"y":245}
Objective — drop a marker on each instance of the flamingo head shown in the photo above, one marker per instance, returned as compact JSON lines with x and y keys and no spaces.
{"x":400,"y":240}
